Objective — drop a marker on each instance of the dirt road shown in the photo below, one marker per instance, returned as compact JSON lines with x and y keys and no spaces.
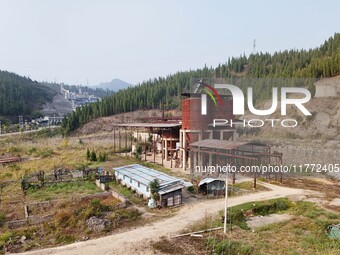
{"x":136,"y":241}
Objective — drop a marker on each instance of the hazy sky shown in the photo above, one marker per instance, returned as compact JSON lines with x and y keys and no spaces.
{"x":77,"y":40}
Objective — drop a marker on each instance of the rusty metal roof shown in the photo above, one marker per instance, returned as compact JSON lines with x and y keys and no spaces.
{"x":220,"y":144}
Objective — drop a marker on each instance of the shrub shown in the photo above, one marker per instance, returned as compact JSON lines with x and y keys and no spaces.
{"x":88,"y":154}
{"x":62,"y":217}
{"x":136,"y":156}
{"x":96,"y":209}
{"x":154,"y":187}
{"x":102,"y":157}
{"x":229,"y":247}
{"x":65,"y":239}
{"x":46,"y":153}
{"x":2,"y":219}
{"x":4,"y":238}
{"x":32,"y":150}
{"x":93,"y":156}
{"x":191,"y":189}
{"x":129,"y":214}
{"x":138,"y":149}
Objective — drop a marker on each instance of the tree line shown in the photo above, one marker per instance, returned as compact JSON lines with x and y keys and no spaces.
{"x":323,"y":61}
{"x":20,"y":95}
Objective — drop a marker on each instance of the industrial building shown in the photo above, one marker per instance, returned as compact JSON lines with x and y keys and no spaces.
{"x":192,"y":140}
{"x":138,"y":178}
{"x":197,"y":127}
{"x":215,"y":152}
{"x":164,"y":137}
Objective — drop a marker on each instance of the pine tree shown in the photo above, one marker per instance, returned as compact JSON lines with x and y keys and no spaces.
{"x":88,"y":154}
{"x":93,"y":156}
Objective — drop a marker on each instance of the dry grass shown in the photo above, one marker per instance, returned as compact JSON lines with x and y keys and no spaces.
{"x":329,"y":189}
{"x":304,"y":234}
{"x":68,"y":224}
{"x":49,"y":153}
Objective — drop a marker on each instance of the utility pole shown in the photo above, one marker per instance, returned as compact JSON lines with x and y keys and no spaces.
{"x":226,"y":204}
{"x":21,"y":121}
{"x":254,"y":47}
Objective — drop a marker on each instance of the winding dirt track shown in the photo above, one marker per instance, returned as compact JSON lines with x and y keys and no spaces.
{"x":136,"y":241}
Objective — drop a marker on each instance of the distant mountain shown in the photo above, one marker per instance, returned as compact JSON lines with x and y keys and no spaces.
{"x":114,"y":85}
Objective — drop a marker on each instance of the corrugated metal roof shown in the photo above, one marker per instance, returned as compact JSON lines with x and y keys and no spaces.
{"x":170,"y":188}
{"x":150,"y":125}
{"x":187,"y":184}
{"x":145,"y":175}
{"x":218,"y":144}
{"x":207,"y":180}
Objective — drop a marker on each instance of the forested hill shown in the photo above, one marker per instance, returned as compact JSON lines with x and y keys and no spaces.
{"x":323,"y":61}
{"x":20,"y":95}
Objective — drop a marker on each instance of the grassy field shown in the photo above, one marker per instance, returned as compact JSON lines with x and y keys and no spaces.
{"x":45,"y":153}
{"x":128,"y":193}
{"x":69,"y":225}
{"x":305,"y":233}
{"x":62,"y":190}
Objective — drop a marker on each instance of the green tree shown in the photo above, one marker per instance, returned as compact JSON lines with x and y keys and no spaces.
{"x":323,"y":61}
{"x":154,"y":187}
{"x":93,"y":156}
{"x":88,"y":154}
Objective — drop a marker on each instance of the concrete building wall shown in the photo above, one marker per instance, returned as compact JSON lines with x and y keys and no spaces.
{"x":134,"y":185}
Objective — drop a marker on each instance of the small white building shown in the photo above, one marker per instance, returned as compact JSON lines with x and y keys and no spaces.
{"x":138,"y":178}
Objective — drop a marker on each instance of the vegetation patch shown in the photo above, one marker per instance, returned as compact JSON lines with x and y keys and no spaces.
{"x":126,"y":192}
{"x":249,"y":185}
{"x":305,"y":233}
{"x":62,"y":190}
{"x":237,"y":215}
{"x":69,"y":224}
{"x":228,"y":247}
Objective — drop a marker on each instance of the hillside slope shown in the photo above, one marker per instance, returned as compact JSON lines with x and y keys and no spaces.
{"x":323,"y":61}
{"x":21,"y":96}
{"x":106,"y":124}
{"x":324,"y":124}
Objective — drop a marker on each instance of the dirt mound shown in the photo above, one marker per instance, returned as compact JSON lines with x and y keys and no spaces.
{"x":106,"y":124}
{"x":58,"y":107}
{"x":323,"y":124}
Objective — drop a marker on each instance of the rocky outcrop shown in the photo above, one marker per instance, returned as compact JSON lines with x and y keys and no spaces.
{"x":97,"y":224}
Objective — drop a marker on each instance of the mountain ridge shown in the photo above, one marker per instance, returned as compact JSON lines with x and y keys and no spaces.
{"x":113,"y":85}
